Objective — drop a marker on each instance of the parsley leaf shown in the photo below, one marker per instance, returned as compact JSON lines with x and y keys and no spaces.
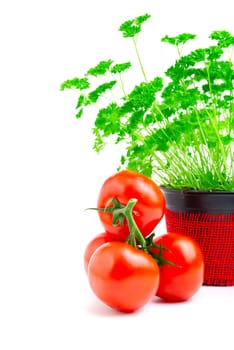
{"x":80,"y":84}
{"x":100,"y":69}
{"x":120,"y":67}
{"x":132,"y":27}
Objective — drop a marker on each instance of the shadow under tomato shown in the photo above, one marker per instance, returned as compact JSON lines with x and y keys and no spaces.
{"x":158,"y":300}
{"x":96,"y":308}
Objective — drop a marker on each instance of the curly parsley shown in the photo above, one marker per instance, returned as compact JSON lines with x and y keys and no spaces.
{"x":178,"y":130}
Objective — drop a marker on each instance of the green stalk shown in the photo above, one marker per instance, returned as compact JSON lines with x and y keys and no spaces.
{"x":135,"y":233}
{"x":133,"y":228}
{"x":139,"y":58}
{"x":135,"y":238}
{"x":122,"y":84}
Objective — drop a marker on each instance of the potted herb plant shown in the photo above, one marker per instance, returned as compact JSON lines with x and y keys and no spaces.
{"x":179,"y":130}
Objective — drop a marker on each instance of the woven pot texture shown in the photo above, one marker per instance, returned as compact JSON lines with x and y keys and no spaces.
{"x":212,"y":228}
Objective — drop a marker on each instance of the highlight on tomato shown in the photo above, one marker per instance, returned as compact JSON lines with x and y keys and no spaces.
{"x":115,"y":193}
{"x":123,"y":277}
{"x":180,"y":280}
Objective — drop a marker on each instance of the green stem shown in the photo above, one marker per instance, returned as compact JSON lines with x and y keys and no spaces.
{"x":133,"y":228}
{"x":139,"y":59}
{"x":122,"y":84}
{"x":135,"y":238}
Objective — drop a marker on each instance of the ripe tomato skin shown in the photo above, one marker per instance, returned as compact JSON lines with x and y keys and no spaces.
{"x":123,"y":277}
{"x":95,"y":242}
{"x":123,"y":186}
{"x":180,"y":282}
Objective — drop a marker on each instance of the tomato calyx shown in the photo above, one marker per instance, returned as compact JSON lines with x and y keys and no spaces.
{"x":117,"y":210}
{"x":158,"y":257}
{"x":120,"y":213}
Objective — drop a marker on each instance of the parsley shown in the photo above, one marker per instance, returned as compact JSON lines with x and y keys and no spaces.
{"x":100,"y":69}
{"x":132,"y":27}
{"x":179,"y":128}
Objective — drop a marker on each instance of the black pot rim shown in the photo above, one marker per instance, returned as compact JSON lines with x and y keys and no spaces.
{"x":186,"y":200}
{"x":196,"y":191}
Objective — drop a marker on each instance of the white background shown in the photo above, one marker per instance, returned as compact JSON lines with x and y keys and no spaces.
{"x":49,"y":175}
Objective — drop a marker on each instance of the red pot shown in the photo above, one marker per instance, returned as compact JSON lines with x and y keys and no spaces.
{"x":208,"y":217}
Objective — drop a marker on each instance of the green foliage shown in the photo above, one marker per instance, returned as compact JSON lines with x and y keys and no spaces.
{"x":75,"y":83}
{"x":132,"y":27}
{"x":100,"y":69}
{"x":224,"y":38}
{"x":178,"y":129}
{"x":95,"y":94}
{"x":120,"y":67}
{"x":179,"y":39}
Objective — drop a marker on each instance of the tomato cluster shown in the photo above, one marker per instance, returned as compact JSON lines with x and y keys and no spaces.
{"x":127,"y":265}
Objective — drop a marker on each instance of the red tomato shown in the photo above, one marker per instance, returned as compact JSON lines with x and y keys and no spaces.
{"x":182,"y":281}
{"x":124,"y":186}
{"x":93,"y":245}
{"x":123,"y":277}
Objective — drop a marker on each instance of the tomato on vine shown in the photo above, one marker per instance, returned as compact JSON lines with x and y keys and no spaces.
{"x":127,"y":264}
{"x":123,"y":277}
{"x":117,"y":190}
{"x":182,"y":279}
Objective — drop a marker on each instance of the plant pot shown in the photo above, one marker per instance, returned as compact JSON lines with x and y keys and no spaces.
{"x":208,"y":217}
